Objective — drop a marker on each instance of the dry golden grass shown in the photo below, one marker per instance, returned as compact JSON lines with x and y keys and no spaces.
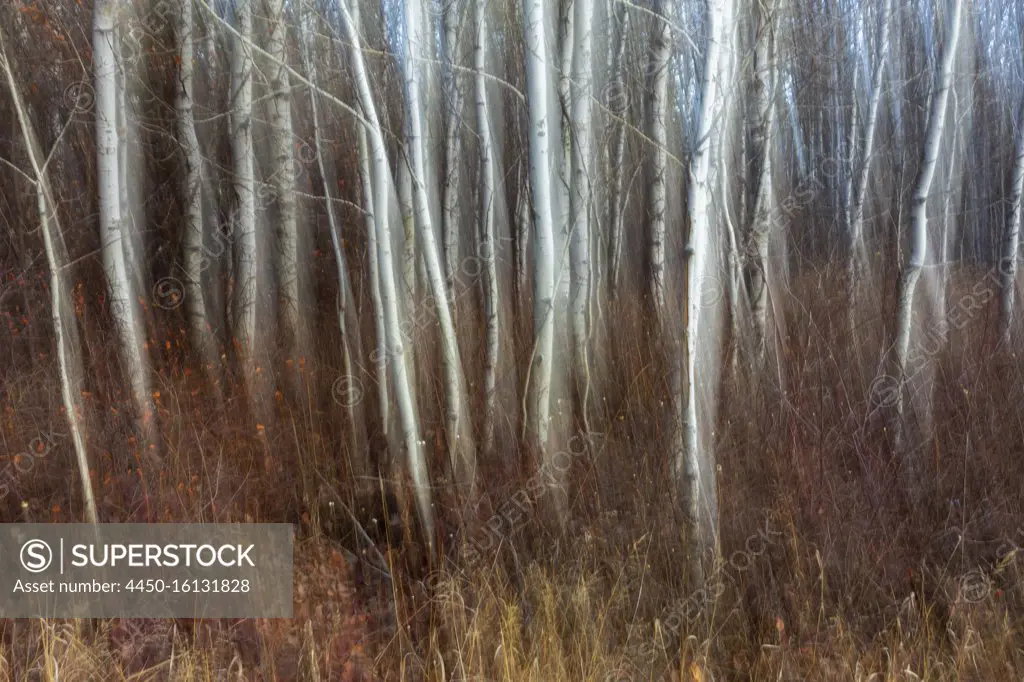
{"x":828,"y":569}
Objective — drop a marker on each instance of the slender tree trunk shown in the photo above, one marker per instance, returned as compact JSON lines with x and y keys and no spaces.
{"x":687,"y":463}
{"x":285,"y":171}
{"x":406,"y":207}
{"x":618,"y":103}
{"x":460,"y":449}
{"x":379,"y":355}
{"x":561,"y":203}
{"x":112,"y":229}
{"x":348,"y":392}
{"x":523,"y":216}
{"x":196,"y":256}
{"x":919,"y":215}
{"x":246,"y":266}
{"x":581,"y":198}
{"x":133,"y":263}
{"x":539,"y":390}
{"x":657,"y":131}
{"x":492,"y":299}
{"x":857,"y":255}
{"x":61,"y":311}
{"x":450,"y":188}
{"x":396,"y":349}
{"x":764,"y":117}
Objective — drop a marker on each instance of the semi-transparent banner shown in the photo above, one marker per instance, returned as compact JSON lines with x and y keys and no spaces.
{"x":139,"y":570}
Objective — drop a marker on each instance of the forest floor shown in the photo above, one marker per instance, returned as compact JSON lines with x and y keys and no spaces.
{"x":833,"y":566}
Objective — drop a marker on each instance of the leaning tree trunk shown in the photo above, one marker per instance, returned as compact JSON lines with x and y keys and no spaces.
{"x":657,"y":131}
{"x":346,"y":390}
{"x":919,"y":218}
{"x":460,"y":447}
{"x":112,"y":229}
{"x":61,"y":311}
{"x":1011,"y":242}
{"x":379,"y":355}
{"x":581,"y":200}
{"x":246,"y":267}
{"x":192,"y":199}
{"x":389,"y":303}
{"x":492,"y":299}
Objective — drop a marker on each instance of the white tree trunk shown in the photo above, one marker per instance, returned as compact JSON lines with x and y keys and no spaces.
{"x":858,"y":253}
{"x":1011,"y":243}
{"x":581,"y":199}
{"x":379,"y":355}
{"x":61,"y":311}
{"x":122,"y":300}
{"x":537,"y":69}
{"x":492,"y":300}
{"x":389,"y":303}
{"x":195,"y":255}
{"x":460,"y":449}
{"x":246,"y":267}
{"x":919,"y":212}
{"x":285,"y":169}
{"x":687,"y":463}
{"x":133,"y":263}
{"x":657,"y":131}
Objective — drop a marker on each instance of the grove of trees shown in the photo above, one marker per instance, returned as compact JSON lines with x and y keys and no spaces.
{"x":424,"y":248}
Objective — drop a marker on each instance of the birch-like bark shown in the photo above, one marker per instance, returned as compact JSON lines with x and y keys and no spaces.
{"x":195,"y":256}
{"x":348,"y":324}
{"x":61,"y":311}
{"x":657,"y":131}
{"x":581,"y":199}
{"x":122,"y":300}
{"x":617,"y":103}
{"x":492,"y":300}
{"x":379,"y":355}
{"x":760,"y":229}
{"x":246,"y":267}
{"x":389,"y":303}
{"x":450,"y":188}
{"x":539,"y":390}
{"x":460,"y":449}
{"x":919,"y":211}
{"x":1011,"y":242}
{"x":133,"y":263}
{"x":523,"y":215}
{"x":857,"y":256}
{"x":408,"y":214}
{"x":561,"y":202}
{"x":687,"y":462}
{"x":283,"y":181}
